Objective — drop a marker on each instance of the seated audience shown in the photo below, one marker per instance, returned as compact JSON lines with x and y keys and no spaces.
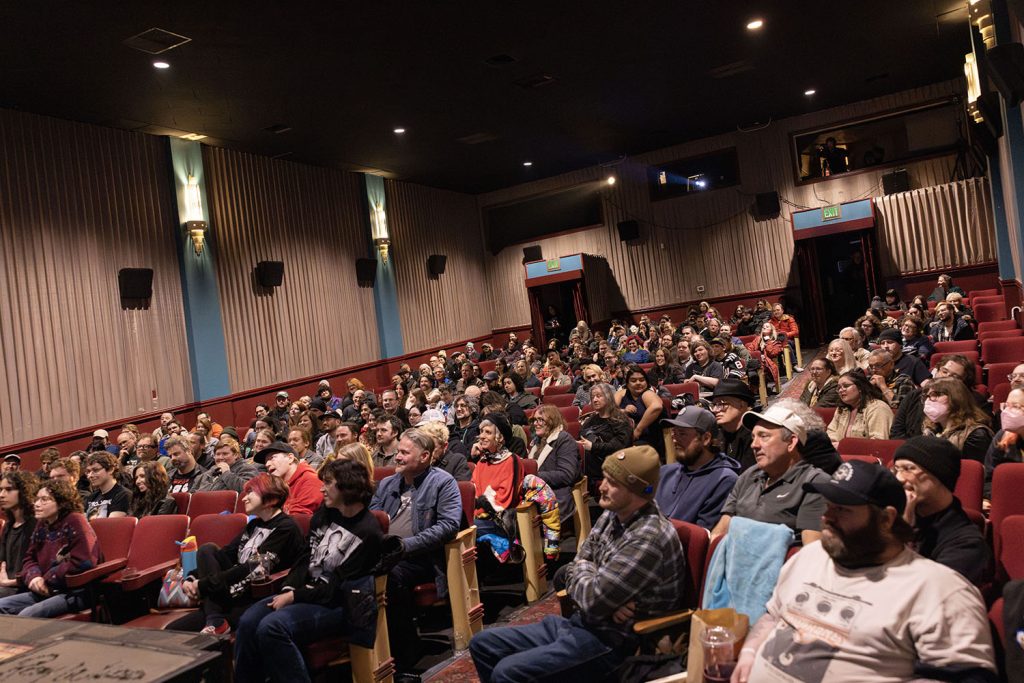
{"x":863,"y":412}
{"x":425,"y":508}
{"x":465,"y":427}
{"x":643,"y":406}
{"x":948,"y":326}
{"x":229,"y":472}
{"x":300,"y":441}
{"x":604,"y":430}
{"x":68,"y":469}
{"x":894,"y":386}
{"x":770,"y":345}
{"x":635,"y":354}
{"x":861,"y":606}
{"x":11,"y":463}
{"x":108,"y":497}
{"x":822,"y":391}
{"x":892,"y":341}
{"x":950,"y":412}
{"x":729,"y":402}
{"x":893,"y":302}
{"x":773,"y":491}
{"x":841,"y":355}
{"x":784,"y":323}
{"x":1006,"y":446}
{"x":320,"y":594}
{"x":17,"y":494}
{"x":270,"y":542}
{"x":448,"y":455}
{"x":151,"y":491}
{"x":556,"y":376}
{"x":704,"y":370}
{"x":185,"y":471}
{"x":721,"y":351}
{"x":914,"y":341}
{"x":329,"y":422}
{"x":515,"y":393}
{"x":870,"y":327}
{"x":909,"y":418}
{"x":63,"y":542}
{"x":388,"y":429}
{"x":665,"y":370}
{"x":944,"y":288}
{"x":694,"y":488}
{"x":304,"y":491}
{"x":558,"y":459}
{"x":928,"y":467}
{"x":630,"y":567}
{"x":818,"y":450}
{"x":589,"y":376}
{"x":855,"y":339}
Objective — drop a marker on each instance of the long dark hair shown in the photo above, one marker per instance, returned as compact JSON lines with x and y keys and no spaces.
{"x":157,"y":486}
{"x":633,"y":369}
{"x":65,"y":494}
{"x":868,"y":391}
{"x":26,"y":483}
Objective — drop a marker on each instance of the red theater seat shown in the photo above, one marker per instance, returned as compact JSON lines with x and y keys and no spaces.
{"x":883,"y":449}
{"x":557,"y":389}
{"x":986,"y":313}
{"x":1003,"y":350}
{"x":997,"y":325}
{"x":559,"y":400}
{"x":972,"y":356}
{"x":970,"y":487}
{"x":211,"y":503}
{"x":217,"y":529}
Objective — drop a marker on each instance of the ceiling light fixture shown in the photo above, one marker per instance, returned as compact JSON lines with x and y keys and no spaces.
{"x":161,"y":65}
{"x":527,"y":163}
{"x":610,"y":180}
{"x":755,"y":24}
{"x":810,"y":92}
{"x":399,"y":131}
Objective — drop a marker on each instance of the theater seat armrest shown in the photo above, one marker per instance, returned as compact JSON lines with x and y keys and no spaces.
{"x":135,"y":581}
{"x":656,"y":624}
{"x":271,"y":587}
{"x":98,"y":572}
{"x":462,"y":535}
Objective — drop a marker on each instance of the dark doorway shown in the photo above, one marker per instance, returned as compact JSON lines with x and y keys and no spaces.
{"x":837,"y":276}
{"x":559,"y":297}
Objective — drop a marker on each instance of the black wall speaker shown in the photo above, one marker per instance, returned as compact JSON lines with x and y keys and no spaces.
{"x":766,"y":204}
{"x":436,"y":263}
{"x":532,"y":253}
{"x":1006,"y":67}
{"x":366,"y":271}
{"x":269,"y":273}
{"x":628,"y":230}
{"x":135,"y":283}
{"x":897,"y":181}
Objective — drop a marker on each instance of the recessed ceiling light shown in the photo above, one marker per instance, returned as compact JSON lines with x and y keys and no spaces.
{"x":755,"y":24}
{"x":610,"y":180}
{"x":399,"y":131}
{"x":161,"y":65}
{"x":810,"y":92}
{"x":527,"y":163}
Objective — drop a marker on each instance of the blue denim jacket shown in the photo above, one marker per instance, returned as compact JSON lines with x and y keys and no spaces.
{"x":437,"y":513}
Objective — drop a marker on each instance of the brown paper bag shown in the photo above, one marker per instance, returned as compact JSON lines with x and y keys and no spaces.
{"x":706,"y":618}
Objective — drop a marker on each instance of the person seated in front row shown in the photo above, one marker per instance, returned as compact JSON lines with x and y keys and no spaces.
{"x":604,"y":430}
{"x":425,"y":508}
{"x":861,"y":606}
{"x":304,"y":491}
{"x":17,"y":493}
{"x":694,"y":488}
{"x":62,"y":543}
{"x":928,"y":467}
{"x":318,"y":594}
{"x":772,"y":492}
{"x":270,"y":541}
{"x":630,"y":567}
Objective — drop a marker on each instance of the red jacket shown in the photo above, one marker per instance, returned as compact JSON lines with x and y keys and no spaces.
{"x":67,"y":545}
{"x":787,"y":325}
{"x":304,"y":495}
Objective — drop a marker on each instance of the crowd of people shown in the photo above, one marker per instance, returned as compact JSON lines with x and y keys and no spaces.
{"x":893,"y":551}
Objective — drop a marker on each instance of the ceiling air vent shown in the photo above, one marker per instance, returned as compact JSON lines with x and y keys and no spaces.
{"x":155,"y":41}
{"x":535,"y":81}
{"x":477,"y":138}
{"x":731,"y":69}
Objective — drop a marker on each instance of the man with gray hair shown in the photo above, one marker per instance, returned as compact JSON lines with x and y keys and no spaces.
{"x":894,"y":385}
{"x":425,"y":509}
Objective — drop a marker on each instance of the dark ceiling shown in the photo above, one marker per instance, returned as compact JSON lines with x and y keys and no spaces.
{"x":625,"y":77}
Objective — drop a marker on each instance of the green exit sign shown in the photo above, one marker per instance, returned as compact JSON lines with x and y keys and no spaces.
{"x":554,"y":264}
{"x":831,"y":213}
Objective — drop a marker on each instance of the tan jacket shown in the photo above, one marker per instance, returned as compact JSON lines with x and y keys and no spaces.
{"x":873,"y":422}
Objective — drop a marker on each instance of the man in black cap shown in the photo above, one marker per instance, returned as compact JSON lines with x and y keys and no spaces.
{"x":329,"y":422}
{"x":694,"y":488}
{"x":721,"y":351}
{"x":891,"y":340}
{"x":279,"y":413}
{"x":928,"y":467}
{"x":729,"y":401}
{"x":861,"y":606}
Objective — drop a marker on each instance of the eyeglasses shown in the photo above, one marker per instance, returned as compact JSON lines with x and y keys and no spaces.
{"x":906,"y":469}
{"x":815,"y":368}
{"x":1003,"y":407}
{"x":932,"y":396}
{"x":844,"y":387}
{"x":145,"y":445}
{"x":877,"y":366}
{"x":1015,"y":375}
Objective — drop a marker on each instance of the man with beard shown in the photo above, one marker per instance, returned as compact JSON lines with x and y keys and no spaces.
{"x":861,"y":606}
{"x":694,"y":488}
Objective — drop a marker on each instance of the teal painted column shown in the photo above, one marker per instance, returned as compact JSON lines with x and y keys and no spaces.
{"x":204,"y":327}
{"x":385,"y":293}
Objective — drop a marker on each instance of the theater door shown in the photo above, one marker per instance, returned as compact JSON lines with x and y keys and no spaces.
{"x":836,"y":257}
{"x":558,"y":283}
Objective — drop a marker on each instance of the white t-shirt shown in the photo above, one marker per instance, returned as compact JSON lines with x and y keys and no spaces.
{"x":870,"y":624}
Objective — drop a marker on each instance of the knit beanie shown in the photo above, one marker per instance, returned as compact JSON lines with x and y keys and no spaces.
{"x":637,"y":468}
{"x":935,"y":455}
{"x":502,"y":424}
{"x":891,"y":334}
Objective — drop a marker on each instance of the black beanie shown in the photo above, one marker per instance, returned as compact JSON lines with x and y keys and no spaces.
{"x":502,"y":424}
{"x":891,"y":334}
{"x":936,"y":455}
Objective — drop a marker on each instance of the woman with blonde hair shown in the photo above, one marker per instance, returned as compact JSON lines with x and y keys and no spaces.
{"x":356,"y":452}
{"x":950,"y":412}
{"x":841,"y":355}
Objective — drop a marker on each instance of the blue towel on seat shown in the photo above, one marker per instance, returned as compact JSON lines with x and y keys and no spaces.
{"x":745,"y":566}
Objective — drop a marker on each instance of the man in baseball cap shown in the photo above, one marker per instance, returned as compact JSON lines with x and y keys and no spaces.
{"x":694,"y":488}
{"x":861,"y":581}
{"x":631,"y":567}
{"x":730,"y":400}
{"x":928,"y":468}
{"x":11,"y":463}
{"x":772,"y":492}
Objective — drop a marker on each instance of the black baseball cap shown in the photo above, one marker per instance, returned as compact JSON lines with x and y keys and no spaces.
{"x":331,"y":413}
{"x":858,"y":482}
{"x":276,"y":447}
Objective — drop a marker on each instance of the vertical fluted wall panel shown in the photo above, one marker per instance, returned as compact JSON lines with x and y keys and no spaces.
{"x":310,"y":218}
{"x":711,"y":240}
{"x":424,"y":221}
{"x":77,"y":203}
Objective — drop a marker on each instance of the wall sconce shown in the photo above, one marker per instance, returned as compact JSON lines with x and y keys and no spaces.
{"x":196,"y":230}
{"x":973,"y":87}
{"x":379,"y":230}
{"x":981,"y":16}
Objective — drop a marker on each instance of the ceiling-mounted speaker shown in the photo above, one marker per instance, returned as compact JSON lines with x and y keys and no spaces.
{"x":628,"y":230}
{"x":766,"y":204}
{"x":269,"y":273}
{"x":1006,"y":68}
{"x":532,"y":253}
{"x":436,"y":263}
{"x":135,"y":283}
{"x":366,"y":271}
{"x":897,"y":181}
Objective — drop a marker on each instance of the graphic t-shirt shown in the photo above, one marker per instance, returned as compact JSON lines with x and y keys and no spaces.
{"x":870,"y":624}
{"x":100,"y":504}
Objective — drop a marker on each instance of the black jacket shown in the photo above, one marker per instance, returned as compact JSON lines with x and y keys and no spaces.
{"x":279,"y":535}
{"x":737,"y":446}
{"x":819,"y":451}
{"x":607,"y":437}
{"x":454,"y":461}
{"x":951,"y":538}
{"x":560,"y":470}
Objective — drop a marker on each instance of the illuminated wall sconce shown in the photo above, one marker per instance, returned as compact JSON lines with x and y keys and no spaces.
{"x":195,"y":226}
{"x":981,"y":17}
{"x":196,"y":230}
{"x":379,"y":230}
{"x":973,"y":87}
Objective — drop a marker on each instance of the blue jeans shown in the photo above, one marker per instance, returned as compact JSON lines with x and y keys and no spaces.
{"x":553,"y":649}
{"x":31,"y":604}
{"x":267,"y":641}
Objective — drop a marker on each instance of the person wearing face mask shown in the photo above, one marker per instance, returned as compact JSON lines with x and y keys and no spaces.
{"x":951,"y":413}
{"x":1006,"y":445}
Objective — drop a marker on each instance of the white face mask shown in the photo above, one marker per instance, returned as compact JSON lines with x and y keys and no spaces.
{"x":935,"y":411}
